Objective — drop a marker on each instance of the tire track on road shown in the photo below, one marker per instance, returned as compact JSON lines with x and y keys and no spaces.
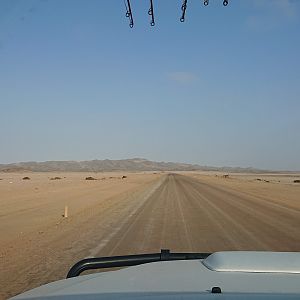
{"x":267,"y":228}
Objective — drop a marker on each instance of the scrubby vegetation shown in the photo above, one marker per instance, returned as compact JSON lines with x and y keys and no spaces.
{"x":90,"y":178}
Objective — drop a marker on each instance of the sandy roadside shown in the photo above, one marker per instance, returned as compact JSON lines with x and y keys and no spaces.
{"x":277,"y":188}
{"x":37,"y":244}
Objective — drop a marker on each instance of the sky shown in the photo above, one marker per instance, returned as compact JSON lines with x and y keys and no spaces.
{"x":220,"y":89}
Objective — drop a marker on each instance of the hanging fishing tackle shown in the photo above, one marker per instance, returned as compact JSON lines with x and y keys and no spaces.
{"x":151,"y":13}
{"x":129,"y":12}
{"x":183,"y":8}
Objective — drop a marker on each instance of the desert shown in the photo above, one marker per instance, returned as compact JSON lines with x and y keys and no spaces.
{"x":121,"y":213}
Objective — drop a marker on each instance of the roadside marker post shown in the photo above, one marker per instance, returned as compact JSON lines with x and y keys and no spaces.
{"x":66,"y":211}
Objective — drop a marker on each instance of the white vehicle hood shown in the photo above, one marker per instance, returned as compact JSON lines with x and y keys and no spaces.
{"x":186,"y":280}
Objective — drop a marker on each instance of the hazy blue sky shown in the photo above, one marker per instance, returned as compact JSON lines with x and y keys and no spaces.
{"x":223,"y":88}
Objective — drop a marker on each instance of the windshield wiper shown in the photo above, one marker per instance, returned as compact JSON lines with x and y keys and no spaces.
{"x":130,"y":260}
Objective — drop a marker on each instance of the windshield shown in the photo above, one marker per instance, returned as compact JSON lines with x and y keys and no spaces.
{"x":118,"y":137}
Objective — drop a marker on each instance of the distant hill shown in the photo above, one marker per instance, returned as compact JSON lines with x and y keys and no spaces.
{"x":134,"y":164}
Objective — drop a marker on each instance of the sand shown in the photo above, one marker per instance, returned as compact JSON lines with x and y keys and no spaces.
{"x":138,"y":214}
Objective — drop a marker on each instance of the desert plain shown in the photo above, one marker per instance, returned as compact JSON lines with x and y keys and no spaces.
{"x":123,"y":213}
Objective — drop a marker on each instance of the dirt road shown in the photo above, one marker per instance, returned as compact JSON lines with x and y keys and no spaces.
{"x":185,"y":214}
{"x":173,"y":211}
